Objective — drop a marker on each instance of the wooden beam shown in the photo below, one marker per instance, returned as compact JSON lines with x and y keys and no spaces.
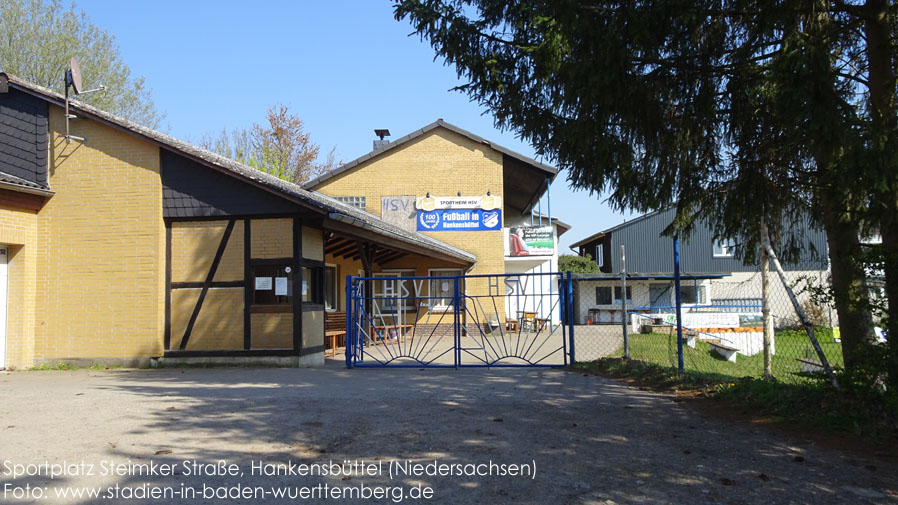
{"x":366,"y":255}
{"x":211,"y":275}
{"x":168,"y":272}
{"x":370,"y":236}
{"x":248,"y":288}
{"x":297,"y":284}
{"x":335,"y":245}
{"x":343,"y":251}
{"x":390,"y":256}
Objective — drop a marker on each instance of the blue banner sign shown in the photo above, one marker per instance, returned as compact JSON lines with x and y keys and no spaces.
{"x":459,"y":220}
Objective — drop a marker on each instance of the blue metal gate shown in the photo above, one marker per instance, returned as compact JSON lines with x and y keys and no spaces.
{"x":522,"y":320}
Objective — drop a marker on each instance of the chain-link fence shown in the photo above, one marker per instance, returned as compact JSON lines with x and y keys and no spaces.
{"x":722,"y":322}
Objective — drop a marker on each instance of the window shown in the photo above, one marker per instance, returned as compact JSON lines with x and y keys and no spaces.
{"x":355,"y":201}
{"x":442,"y":290}
{"x":313,"y":284}
{"x":724,"y":248}
{"x":273,"y":285}
{"x":617,"y":294}
{"x":395,"y":293}
{"x":600,"y":255}
{"x":603,"y":295}
{"x":331,"y":288}
{"x":692,"y":294}
{"x":659,"y":294}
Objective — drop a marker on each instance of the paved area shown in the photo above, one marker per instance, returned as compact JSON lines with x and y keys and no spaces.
{"x":545,"y":347}
{"x":592,"y":441}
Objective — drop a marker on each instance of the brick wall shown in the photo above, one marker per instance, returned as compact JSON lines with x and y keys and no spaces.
{"x":443,"y":163}
{"x":101,"y":246}
{"x":272,"y":238}
{"x":18,"y":231}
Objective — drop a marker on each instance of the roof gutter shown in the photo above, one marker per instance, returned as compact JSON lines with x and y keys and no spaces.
{"x":25,"y":189}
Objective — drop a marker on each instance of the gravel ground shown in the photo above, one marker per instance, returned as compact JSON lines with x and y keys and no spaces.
{"x":592,"y":441}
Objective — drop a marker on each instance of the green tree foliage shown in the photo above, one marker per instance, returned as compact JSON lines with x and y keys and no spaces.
{"x":738,"y":110}
{"x":577,"y":264}
{"x":281,"y":147}
{"x":37,"y":40}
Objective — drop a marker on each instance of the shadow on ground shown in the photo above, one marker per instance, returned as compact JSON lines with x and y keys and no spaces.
{"x":591,"y":439}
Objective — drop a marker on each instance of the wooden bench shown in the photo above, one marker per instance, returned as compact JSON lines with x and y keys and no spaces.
{"x":729,"y":353}
{"x":334,"y":331}
{"x":810,"y":365}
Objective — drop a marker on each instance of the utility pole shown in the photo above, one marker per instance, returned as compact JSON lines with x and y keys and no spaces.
{"x":623,"y":301}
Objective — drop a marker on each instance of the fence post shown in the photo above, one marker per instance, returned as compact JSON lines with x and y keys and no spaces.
{"x":623,"y":301}
{"x":676,"y":245}
{"x":456,"y":300}
{"x":350,"y":335}
{"x":765,"y":300}
{"x":570,"y":314}
{"x":804,"y":320}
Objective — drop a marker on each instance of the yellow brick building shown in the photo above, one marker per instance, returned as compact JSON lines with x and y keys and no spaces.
{"x":120,"y":244}
{"x":440,"y":161}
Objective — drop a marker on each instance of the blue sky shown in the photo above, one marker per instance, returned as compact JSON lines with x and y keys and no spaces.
{"x":345,"y":67}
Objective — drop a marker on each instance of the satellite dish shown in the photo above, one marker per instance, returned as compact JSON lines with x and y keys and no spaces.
{"x":74,"y":76}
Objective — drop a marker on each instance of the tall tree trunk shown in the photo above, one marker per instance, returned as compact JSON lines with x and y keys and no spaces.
{"x":849,"y":283}
{"x":884,"y":161}
{"x":890,"y":252}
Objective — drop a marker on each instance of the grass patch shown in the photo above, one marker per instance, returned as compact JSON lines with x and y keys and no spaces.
{"x":68,"y":366}
{"x":861,"y":411}
{"x":661,"y":349}
{"x":645,"y":373}
{"x":812,"y":406}
{"x":104,"y":367}
{"x":58,"y":366}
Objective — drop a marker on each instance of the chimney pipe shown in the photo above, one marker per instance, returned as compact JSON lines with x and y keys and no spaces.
{"x":381,"y":143}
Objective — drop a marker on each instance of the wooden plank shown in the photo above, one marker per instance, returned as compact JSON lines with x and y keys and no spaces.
{"x":297,"y":284}
{"x":198,"y":285}
{"x":343,"y":251}
{"x":168,"y":287}
{"x":22,"y":200}
{"x":361,"y":234}
{"x":248,"y":284}
{"x":390,"y":256}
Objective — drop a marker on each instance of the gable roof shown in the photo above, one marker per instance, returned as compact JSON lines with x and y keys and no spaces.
{"x":547,"y":170}
{"x":594,"y":236}
{"x":309,"y":199}
{"x":616,"y":227}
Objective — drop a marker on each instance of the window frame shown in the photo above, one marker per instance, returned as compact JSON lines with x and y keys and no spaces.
{"x":441,"y":272}
{"x":617,"y":291}
{"x":723,"y":248}
{"x":316,"y":282}
{"x":697,"y":288}
{"x":336,"y":287}
{"x":610,"y":295}
{"x":409,"y":301}
{"x":285,"y":305}
{"x":600,"y":255}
